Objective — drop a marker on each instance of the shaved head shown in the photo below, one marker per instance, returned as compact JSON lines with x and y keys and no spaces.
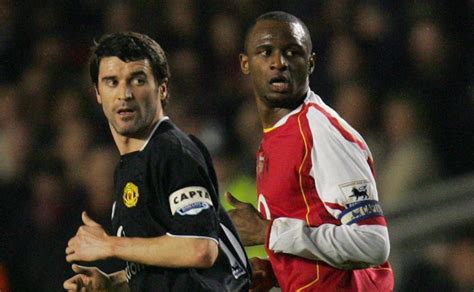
{"x":280,"y":16}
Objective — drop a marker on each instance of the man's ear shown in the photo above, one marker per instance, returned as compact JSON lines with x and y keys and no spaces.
{"x":163,"y":90}
{"x":244,"y":63}
{"x":97,"y":95}
{"x":311,"y":63}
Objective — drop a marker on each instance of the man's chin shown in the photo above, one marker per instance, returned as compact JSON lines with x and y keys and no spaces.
{"x":127,"y":130}
{"x":134,"y":131}
{"x":281,"y":100}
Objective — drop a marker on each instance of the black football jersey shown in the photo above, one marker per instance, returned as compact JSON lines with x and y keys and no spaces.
{"x":169,"y":187}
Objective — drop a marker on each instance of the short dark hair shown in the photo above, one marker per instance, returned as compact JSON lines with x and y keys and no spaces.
{"x":279,"y":16}
{"x":129,"y":46}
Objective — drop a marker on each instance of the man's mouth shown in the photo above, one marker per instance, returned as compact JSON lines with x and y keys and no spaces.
{"x":125,"y":112}
{"x":279,"y":84}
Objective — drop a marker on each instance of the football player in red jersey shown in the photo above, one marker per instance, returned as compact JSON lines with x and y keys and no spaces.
{"x":320,"y":218}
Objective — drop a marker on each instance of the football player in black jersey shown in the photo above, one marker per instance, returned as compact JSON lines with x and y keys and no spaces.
{"x":169,"y":227}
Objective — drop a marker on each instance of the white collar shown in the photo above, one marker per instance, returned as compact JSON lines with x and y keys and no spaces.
{"x":153,"y":131}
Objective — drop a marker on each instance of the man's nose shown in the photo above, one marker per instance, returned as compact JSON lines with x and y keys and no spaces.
{"x":279,"y":61}
{"x":125,"y":93}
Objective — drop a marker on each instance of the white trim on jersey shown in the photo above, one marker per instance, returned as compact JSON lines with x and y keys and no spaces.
{"x":193,"y":236}
{"x":237,"y":270}
{"x":235,"y":243}
{"x":153,"y":131}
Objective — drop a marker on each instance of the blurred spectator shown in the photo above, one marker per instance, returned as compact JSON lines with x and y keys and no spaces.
{"x":181,"y":20}
{"x":460,"y":259}
{"x":69,"y":105}
{"x":445,"y":265}
{"x":410,"y":161}
{"x":334,"y":14}
{"x":355,"y":105}
{"x":188,"y":76}
{"x":120,"y":16}
{"x":16,"y":148}
{"x":8,"y":40}
{"x":74,"y":138}
{"x":226,"y":43}
{"x":49,"y":54}
{"x":345,"y":61}
{"x":39,"y":258}
{"x":373,"y":27}
{"x":428,"y":50}
{"x":427,"y":273}
{"x":435,"y":70}
{"x":97,"y":180}
{"x":236,"y":169}
{"x":248,"y":133}
{"x":370,"y":21}
{"x":4,"y":285}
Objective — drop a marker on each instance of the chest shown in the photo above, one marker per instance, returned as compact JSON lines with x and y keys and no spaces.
{"x":137,"y":208}
{"x":283,"y":170}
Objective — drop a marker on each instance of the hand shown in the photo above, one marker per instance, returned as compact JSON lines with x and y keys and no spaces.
{"x":250,"y":224}
{"x":87,"y":279}
{"x":90,"y":243}
{"x":263,"y":277}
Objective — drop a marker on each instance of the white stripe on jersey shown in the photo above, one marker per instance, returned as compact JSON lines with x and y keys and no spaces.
{"x":235,"y":243}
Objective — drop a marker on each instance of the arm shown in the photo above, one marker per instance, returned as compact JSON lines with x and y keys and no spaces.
{"x":344,"y":246}
{"x":166,"y":251}
{"x":92,"y":243}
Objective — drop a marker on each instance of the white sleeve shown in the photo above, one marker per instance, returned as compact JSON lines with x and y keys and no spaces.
{"x":343,"y":247}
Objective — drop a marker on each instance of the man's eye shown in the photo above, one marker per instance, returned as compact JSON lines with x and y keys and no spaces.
{"x":265,"y":52}
{"x":112,"y":82}
{"x":291,"y":53}
{"x":138,"y":81}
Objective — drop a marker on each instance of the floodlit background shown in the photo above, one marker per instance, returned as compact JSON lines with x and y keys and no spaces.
{"x":400,"y":72}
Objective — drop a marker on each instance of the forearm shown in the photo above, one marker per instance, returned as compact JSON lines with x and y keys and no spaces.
{"x":344,"y":246}
{"x":166,"y":251}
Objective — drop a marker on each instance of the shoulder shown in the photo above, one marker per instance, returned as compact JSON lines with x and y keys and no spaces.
{"x":171,"y":143}
{"x":327,"y":122}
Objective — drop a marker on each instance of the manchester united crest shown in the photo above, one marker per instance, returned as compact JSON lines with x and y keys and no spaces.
{"x":130,"y":195}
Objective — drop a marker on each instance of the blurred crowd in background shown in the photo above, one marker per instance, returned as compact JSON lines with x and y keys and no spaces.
{"x":400,"y":72}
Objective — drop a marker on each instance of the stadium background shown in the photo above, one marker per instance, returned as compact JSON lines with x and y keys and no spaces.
{"x":399,"y":71}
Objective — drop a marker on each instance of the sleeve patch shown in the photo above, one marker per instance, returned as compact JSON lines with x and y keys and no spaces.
{"x":359,"y":211}
{"x":357,"y":190}
{"x":190,"y":200}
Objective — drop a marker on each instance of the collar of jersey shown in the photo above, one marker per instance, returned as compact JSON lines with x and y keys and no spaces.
{"x":153,"y":131}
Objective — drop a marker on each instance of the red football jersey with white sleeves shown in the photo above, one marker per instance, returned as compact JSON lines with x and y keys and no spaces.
{"x":315,"y":182}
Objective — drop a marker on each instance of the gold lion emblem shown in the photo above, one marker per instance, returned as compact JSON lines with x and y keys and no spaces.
{"x":130,"y":195}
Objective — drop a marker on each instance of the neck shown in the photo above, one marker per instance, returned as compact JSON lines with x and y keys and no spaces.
{"x":126,"y":144}
{"x":129,"y":144}
{"x":270,"y":115}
